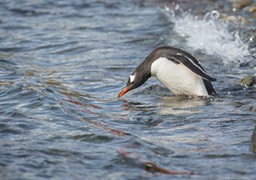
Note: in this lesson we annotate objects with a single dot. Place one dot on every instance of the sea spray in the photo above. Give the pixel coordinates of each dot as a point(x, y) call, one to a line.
point(210, 35)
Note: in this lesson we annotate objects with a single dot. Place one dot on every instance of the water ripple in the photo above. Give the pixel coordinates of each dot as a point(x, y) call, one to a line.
point(62, 65)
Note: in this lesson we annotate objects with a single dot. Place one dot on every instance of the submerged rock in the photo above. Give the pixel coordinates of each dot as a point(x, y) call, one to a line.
point(253, 141)
point(248, 81)
point(252, 108)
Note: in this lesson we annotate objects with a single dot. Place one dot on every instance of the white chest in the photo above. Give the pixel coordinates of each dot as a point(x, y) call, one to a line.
point(178, 78)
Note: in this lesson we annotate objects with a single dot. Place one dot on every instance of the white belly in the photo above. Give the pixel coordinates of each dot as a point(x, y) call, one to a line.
point(178, 78)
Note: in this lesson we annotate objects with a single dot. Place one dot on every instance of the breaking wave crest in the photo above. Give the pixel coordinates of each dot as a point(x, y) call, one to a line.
point(210, 35)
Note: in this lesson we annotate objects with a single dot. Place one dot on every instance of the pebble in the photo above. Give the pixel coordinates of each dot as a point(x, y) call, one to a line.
point(248, 81)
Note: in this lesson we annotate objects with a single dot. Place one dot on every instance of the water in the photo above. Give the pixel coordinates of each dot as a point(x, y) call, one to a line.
point(62, 66)
point(220, 39)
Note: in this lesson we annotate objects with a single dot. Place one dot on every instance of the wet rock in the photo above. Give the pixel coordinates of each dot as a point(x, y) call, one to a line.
point(232, 18)
point(248, 81)
point(253, 141)
point(241, 4)
point(252, 9)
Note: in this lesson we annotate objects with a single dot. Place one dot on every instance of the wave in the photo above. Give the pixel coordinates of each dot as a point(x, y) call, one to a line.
point(210, 35)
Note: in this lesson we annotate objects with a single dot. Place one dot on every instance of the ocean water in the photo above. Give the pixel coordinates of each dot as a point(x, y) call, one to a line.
point(63, 63)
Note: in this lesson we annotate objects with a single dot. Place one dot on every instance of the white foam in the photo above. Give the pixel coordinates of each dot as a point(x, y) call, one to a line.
point(210, 35)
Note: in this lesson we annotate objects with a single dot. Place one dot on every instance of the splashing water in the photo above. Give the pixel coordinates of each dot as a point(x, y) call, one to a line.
point(210, 35)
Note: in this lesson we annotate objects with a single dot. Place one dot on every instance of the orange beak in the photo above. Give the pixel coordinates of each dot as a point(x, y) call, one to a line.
point(125, 90)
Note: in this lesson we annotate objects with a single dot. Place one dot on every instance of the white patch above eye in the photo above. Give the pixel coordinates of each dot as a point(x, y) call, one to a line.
point(132, 77)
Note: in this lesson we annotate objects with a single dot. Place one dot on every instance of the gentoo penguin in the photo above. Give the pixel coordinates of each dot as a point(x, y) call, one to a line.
point(176, 69)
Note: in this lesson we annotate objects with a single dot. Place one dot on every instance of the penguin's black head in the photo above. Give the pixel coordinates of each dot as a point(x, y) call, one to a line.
point(136, 79)
point(140, 75)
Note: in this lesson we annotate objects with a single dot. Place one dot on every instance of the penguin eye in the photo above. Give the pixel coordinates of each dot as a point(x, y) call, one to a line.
point(132, 77)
